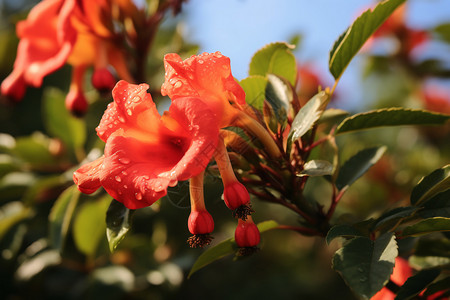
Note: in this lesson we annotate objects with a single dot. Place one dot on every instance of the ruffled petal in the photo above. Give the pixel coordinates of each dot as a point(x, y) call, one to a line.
point(87, 177)
point(132, 110)
point(46, 40)
point(206, 74)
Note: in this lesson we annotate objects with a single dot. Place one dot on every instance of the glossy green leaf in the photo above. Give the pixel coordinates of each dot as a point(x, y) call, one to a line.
point(431, 185)
point(225, 248)
point(11, 214)
point(317, 168)
point(308, 115)
point(345, 231)
point(392, 217)
point(438, 206)
point(427, 226)
point(390, 117)
point(416, 283)
point(254, 87)
point(426, 262)
point(117, 223)
point(60, 123)
point(349, 43)
point(279, 96)
point(34, 151)
point(366, 265)
point(357, 165)
point(89, 225)
point(61, 216)
point(275, 58)
point(439, 246)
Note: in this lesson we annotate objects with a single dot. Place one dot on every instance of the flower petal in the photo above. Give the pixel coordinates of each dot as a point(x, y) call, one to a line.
point(46, 40)
point(87, 177)
point(132, 109)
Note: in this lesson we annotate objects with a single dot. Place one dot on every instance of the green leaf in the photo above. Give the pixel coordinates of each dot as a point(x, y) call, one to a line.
point(61, 215)
point(443, 32)
point(366, 265)
point(431, 185)
point(34, 151)
point(255, 87)
point(89, 225)
point(275, 58)
point(317, 168)
point(390, 117)
point(441, 285)
point(332, 115)
point(225, 248)
point(438, 206)
point(349, 43)
point(308, 115)
point(11, 214)
point(60, 123)
point(346, 231)
point(427, 226)
point(279, 95)
point(357, 165)
point(433, 247)
point(392, 217)
point(415, 284)
point(117, 223)
point(426, 262)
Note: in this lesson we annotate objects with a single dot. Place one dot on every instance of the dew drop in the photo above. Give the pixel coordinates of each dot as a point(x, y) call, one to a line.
point(136, 99)
point(119, 192)
point(200, 61)
point(178, 84)
point(121, 119)
point(125, 186)
point(118, 179)
point(124, 160)
point(138, 196)
point(363, 279)
point(124, 173)
point(129, 112)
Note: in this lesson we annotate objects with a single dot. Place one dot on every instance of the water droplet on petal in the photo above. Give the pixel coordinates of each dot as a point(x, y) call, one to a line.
point(121, 119)
point(138, 196)
point(119, 192)
point(178, 84)
point(124, 160)
point(129, 112)
point(118, 179)
point(200, 61)
point(124, 173)
point(125, 186)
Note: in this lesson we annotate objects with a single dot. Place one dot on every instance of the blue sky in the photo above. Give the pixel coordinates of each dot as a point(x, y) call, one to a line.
point(238, 28)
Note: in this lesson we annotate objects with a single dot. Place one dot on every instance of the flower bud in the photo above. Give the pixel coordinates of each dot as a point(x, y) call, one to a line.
point(13, 87)
point(76, 102)
point(237, 198)
point(247, 236)
point(200, 222)
point(103, 80)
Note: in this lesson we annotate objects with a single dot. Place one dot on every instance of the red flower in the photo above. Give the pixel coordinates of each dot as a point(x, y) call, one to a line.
point(208, 77)
point(47, 38)
point(145, 152)
point(56, 32)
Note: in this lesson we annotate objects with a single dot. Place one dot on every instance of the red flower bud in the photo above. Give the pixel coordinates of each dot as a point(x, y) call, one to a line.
point(200, 222)
point(76, 102)
point(247, 234)
point(103, 80)
point(13, 87)
point(235, 195)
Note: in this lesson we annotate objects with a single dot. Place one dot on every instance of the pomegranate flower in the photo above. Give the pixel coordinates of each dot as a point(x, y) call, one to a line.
point(207, 76)
point(145, 152)
point(56, 32)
